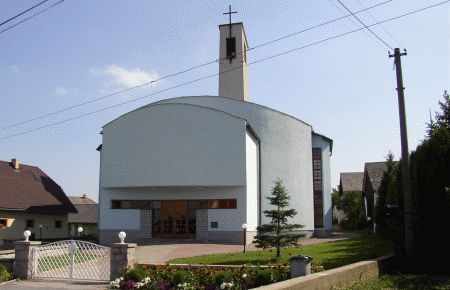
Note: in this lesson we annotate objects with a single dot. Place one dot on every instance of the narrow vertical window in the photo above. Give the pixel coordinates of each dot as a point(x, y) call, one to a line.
point(317, 187)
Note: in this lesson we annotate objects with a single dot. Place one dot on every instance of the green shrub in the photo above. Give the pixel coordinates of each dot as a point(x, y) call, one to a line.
point(4, 274)
point(263, 277)
point(223, 276)
point(180, 277)
point(136, 273)
point(352, 203)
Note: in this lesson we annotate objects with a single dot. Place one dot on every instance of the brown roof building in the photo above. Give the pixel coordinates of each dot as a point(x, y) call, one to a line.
point(30, 199)
point(87, 210)
point(28, 188)
point(86, 217)
point(373, 175)
point(351, 181)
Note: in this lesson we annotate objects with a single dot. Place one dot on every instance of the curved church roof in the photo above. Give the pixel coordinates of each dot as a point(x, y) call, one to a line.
point(173, 104)
point(230, 100)
point(197, 102)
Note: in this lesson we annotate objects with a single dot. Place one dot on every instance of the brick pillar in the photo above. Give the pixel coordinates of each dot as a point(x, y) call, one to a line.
point(122, 257)
point(24, 258)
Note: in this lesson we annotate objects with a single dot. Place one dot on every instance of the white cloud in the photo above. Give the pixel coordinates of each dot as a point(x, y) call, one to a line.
point(13, 68)
point(125, 77)
point(61, 91)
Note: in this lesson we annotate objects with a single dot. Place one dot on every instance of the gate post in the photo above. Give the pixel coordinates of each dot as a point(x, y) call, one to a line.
point(24, 258)
point(122, 257)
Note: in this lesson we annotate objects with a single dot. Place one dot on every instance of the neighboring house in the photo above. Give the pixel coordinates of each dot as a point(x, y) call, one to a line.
point(348, 181)
point(373, 174)
point(200, 167)
point(29, 199)
point(86, 217)
point(351, 181)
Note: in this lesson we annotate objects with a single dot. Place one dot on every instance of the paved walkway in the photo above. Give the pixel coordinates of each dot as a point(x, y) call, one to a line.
point(163, 252)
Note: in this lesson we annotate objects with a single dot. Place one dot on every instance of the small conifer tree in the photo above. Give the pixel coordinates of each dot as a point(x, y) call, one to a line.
point(278, 233)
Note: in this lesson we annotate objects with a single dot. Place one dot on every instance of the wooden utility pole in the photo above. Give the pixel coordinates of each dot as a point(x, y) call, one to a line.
point(406, 178)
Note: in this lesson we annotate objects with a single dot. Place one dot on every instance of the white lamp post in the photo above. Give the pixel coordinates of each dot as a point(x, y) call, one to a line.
point(27, 235)
point(80, 231)
point(122, 236)
point(244, 226)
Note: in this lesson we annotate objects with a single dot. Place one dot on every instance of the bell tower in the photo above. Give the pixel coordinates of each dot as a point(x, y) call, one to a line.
point(233, 71)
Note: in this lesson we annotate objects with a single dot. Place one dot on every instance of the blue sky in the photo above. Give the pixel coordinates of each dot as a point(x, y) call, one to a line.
point(345, 88)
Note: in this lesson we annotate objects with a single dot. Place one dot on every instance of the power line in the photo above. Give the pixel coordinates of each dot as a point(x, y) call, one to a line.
point(184, 71)
point(216, 74)
point(370, 30)
point(317, 26)
point(106, 96)
point(382, 26)
point(14, 17)
point(35, 14)
point(342, 10)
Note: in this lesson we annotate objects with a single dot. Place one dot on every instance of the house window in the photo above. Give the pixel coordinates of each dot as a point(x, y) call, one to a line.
point(29, 224)
point(3, 223)
point(214, 225)
point(317, 187)
point(58, 224)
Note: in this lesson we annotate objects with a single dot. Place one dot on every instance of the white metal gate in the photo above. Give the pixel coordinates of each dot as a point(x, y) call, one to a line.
point(72, 260)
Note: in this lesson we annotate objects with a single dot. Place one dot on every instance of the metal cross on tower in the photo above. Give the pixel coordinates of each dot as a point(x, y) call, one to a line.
point(229, 13)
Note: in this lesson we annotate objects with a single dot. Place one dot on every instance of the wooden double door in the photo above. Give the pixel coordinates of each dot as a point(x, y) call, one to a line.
point(174, 219)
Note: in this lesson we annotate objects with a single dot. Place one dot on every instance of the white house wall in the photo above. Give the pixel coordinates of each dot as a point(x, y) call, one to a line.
point(285, 150)
point(174, 145)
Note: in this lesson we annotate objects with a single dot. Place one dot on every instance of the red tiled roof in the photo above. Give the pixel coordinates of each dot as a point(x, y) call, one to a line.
point(30, 189)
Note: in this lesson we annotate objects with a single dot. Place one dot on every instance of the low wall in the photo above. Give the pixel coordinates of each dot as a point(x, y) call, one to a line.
point(341, 276)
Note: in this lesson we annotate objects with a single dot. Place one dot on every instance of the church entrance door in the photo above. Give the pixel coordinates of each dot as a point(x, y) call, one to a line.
point(173, 220)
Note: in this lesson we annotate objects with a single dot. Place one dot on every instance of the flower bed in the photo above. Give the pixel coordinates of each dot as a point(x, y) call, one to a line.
point(166, 277)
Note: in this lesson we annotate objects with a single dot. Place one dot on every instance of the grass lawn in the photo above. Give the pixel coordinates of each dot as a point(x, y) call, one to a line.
point(329, 255)
point(400, 281)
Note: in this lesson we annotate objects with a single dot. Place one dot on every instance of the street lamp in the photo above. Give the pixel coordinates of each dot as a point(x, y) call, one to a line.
point(80, 231)
point(40, 232)
point(244, 226)
point(122, 236)
point(27, 235)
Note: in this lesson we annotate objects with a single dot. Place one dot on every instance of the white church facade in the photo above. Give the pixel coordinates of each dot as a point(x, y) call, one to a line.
point(199, 167)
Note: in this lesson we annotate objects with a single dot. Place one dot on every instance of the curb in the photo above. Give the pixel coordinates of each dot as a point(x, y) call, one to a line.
point(9, 281)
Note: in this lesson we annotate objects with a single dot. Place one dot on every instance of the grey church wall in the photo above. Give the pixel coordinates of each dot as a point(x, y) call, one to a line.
point(174, 145)
point(285, 149)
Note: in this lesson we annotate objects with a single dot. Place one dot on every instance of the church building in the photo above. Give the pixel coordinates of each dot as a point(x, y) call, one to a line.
point(200, 167)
